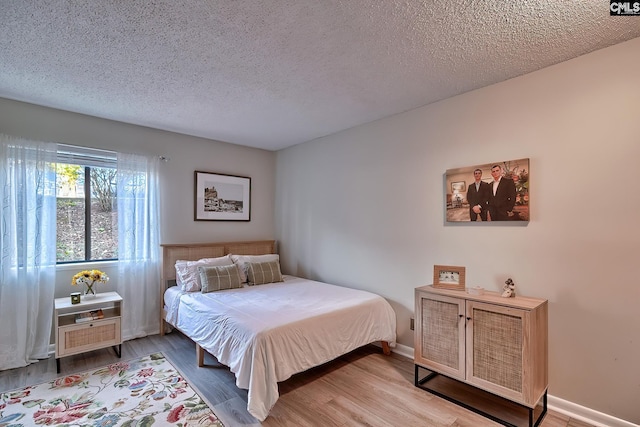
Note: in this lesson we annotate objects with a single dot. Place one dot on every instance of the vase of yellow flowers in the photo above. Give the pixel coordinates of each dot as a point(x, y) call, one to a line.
point(89, 278)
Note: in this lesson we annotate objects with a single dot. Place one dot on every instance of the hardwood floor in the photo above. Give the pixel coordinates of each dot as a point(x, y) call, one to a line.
point(362, 388)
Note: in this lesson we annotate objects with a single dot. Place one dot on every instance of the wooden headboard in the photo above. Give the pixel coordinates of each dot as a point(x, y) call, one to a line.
point(195, 251)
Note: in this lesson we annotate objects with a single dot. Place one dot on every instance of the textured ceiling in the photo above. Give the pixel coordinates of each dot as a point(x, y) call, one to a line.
point(274, 73)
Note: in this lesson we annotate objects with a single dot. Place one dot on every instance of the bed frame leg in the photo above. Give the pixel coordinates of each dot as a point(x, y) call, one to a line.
point(385, 348)
point(200, 356)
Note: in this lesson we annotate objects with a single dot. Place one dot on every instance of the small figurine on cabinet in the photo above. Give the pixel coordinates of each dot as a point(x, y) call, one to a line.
point(509, 289)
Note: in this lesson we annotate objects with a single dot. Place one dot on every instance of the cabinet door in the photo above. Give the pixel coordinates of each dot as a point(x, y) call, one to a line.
point(496, 347)
point(439, 339)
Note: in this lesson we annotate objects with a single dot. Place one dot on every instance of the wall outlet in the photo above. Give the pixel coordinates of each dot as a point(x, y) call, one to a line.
point(412, 324)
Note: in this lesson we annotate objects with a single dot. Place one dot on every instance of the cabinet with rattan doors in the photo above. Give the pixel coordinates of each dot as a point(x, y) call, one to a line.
point(492, 343)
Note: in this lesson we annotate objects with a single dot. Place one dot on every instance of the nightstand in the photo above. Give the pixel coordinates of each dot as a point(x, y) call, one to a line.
point(73, 335)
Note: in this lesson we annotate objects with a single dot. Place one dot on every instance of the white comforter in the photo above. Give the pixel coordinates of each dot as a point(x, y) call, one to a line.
point(267, 333)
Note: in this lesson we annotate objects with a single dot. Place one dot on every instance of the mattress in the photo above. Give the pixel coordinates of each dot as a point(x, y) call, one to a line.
point(267, 333)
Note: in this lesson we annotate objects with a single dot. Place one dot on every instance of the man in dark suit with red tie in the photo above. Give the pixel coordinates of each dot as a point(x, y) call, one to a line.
point(502, 198)
point(478, 197)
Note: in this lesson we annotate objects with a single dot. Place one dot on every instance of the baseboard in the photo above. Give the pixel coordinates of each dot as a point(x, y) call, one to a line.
point(570, 409)
point(403, 350)
point(586, 415)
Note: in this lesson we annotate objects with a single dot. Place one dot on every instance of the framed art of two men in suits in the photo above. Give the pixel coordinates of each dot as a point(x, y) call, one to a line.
point(494, 192)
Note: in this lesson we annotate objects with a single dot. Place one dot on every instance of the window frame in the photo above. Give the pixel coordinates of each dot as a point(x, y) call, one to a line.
point(87, 158)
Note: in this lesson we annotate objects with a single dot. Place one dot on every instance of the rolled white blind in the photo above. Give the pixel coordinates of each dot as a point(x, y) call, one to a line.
point(84, 156)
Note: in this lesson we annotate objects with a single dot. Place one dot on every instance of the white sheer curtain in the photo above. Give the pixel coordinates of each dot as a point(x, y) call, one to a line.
point(138, 244)
point(27, 249)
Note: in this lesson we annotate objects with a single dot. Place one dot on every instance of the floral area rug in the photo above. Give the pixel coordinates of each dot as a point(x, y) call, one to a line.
point(139, 393)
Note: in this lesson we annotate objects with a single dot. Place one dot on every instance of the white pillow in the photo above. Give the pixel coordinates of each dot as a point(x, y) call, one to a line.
point(244, 260)
point(188, 276)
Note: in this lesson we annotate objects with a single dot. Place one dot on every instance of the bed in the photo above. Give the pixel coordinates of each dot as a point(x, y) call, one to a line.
point(267, 332)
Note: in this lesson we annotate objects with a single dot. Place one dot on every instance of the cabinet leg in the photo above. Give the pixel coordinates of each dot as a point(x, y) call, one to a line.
point(118, 350)
point(440, 392)
point(57, 365)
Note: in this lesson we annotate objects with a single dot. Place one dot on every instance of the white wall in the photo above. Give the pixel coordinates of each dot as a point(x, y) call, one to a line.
point(364, 208)
point(187, 154)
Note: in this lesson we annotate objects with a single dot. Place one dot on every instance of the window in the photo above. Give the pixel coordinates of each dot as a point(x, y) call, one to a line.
point(87, 216)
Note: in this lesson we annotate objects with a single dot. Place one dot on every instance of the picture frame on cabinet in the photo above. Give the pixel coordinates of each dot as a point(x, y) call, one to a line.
point(449, 277)
point(221, 197)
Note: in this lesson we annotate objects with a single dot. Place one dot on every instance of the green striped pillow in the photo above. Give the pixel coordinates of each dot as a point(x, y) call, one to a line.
point(260, 273)
point(218, 278)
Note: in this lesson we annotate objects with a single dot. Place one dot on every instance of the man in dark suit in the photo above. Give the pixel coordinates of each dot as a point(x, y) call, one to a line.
point(502, 198)
point(478, 197)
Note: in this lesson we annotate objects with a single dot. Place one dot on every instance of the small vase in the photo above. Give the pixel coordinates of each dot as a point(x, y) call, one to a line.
point(89, 292)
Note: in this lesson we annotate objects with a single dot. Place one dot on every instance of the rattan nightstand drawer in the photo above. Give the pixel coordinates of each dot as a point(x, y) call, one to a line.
point(88, 336)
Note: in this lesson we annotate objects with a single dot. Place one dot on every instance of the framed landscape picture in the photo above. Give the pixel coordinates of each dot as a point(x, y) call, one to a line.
point(220, 197)
point(489, 192)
